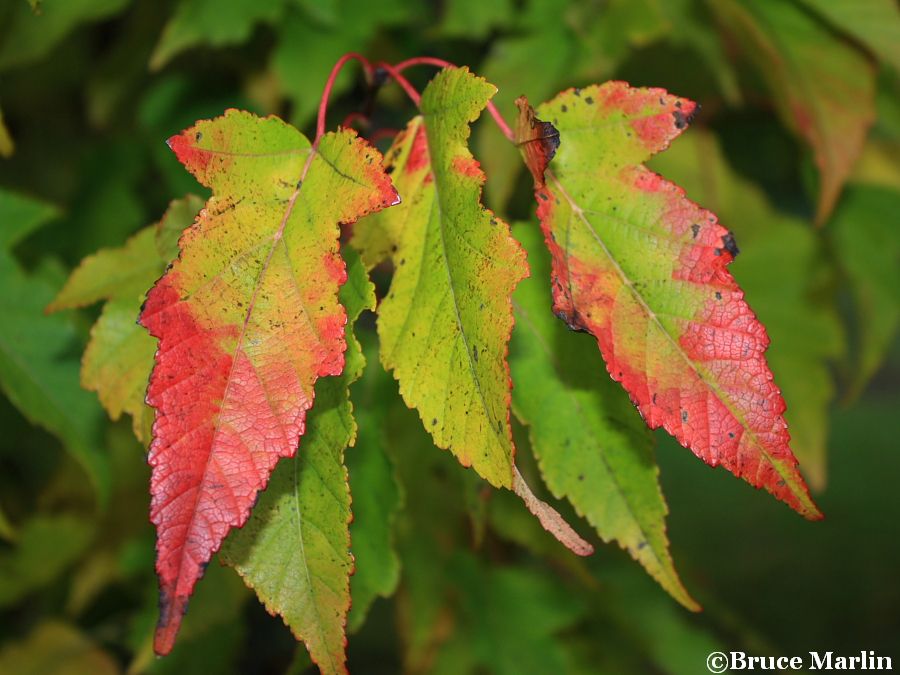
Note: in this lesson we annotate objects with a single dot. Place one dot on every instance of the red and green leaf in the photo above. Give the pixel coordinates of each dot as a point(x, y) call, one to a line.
point(644, 270)
point(295, 549)
point(591, 446)
point(248, 319)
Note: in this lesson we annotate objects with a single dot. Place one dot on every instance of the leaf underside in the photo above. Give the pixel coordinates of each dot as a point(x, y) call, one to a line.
point(644, 270)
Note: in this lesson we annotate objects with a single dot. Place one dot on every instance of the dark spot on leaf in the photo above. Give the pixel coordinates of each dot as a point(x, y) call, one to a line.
point(677, 104)
point(543, 196)
point(695, 228)
point(434, 421)
point(577, 91)
point(718, 295)
point(389, 169)
point(730, 434)
point(402, 261)
point(574, 323)
point(565, 108)
point(730, 245)
point(589, 100)
point(680, 120)
point(717, 251)
point(475, 352)
point(199, 136)
point(684, 415)
point(581, 476)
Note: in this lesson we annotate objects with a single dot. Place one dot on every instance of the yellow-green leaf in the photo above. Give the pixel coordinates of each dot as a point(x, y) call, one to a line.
point(456, 264)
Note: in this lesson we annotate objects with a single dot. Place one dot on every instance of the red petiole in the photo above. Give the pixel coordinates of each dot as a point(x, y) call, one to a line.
point(395, 72)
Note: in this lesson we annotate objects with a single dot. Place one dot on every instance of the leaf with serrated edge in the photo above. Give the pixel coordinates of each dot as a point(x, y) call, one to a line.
point(593, 449)
point(644, 270)
point(295, 549)
point(445, 324)
point(248, 319)
point(119, 355)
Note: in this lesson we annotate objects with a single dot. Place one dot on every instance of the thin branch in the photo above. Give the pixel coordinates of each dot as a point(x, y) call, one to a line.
point(441, 63)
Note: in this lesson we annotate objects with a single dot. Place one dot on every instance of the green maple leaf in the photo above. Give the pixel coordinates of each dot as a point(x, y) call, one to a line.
point(119, 355)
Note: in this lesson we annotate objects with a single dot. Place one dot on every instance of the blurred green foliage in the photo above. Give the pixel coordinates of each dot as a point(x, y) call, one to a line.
point(801, 113)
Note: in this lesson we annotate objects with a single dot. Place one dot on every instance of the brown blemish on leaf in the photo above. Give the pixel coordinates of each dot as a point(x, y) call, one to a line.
point(538, 140)
point(550, 519)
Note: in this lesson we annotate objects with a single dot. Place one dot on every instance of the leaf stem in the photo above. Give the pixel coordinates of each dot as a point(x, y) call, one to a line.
point(329, 85)
point(441, 63)
point(394, 72)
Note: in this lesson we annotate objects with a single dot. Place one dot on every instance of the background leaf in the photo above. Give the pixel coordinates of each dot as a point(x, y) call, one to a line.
point(38, 365)
point(591, 446)
point(824, 89)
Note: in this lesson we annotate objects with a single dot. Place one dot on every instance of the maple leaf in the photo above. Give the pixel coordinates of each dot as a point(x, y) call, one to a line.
point(824, 89)
point(119, 355)
point(644, 270)
point(455, 264)
point(248, 319)
point(793, 305)
point(593, 450)
point(295, 549)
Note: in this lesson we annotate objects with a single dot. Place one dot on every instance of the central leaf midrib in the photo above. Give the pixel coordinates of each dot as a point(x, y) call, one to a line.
point(276, 237)
point(469, 360)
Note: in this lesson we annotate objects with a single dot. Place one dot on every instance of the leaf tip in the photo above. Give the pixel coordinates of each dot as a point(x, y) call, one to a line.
point(171, 611)
point(550, 519)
